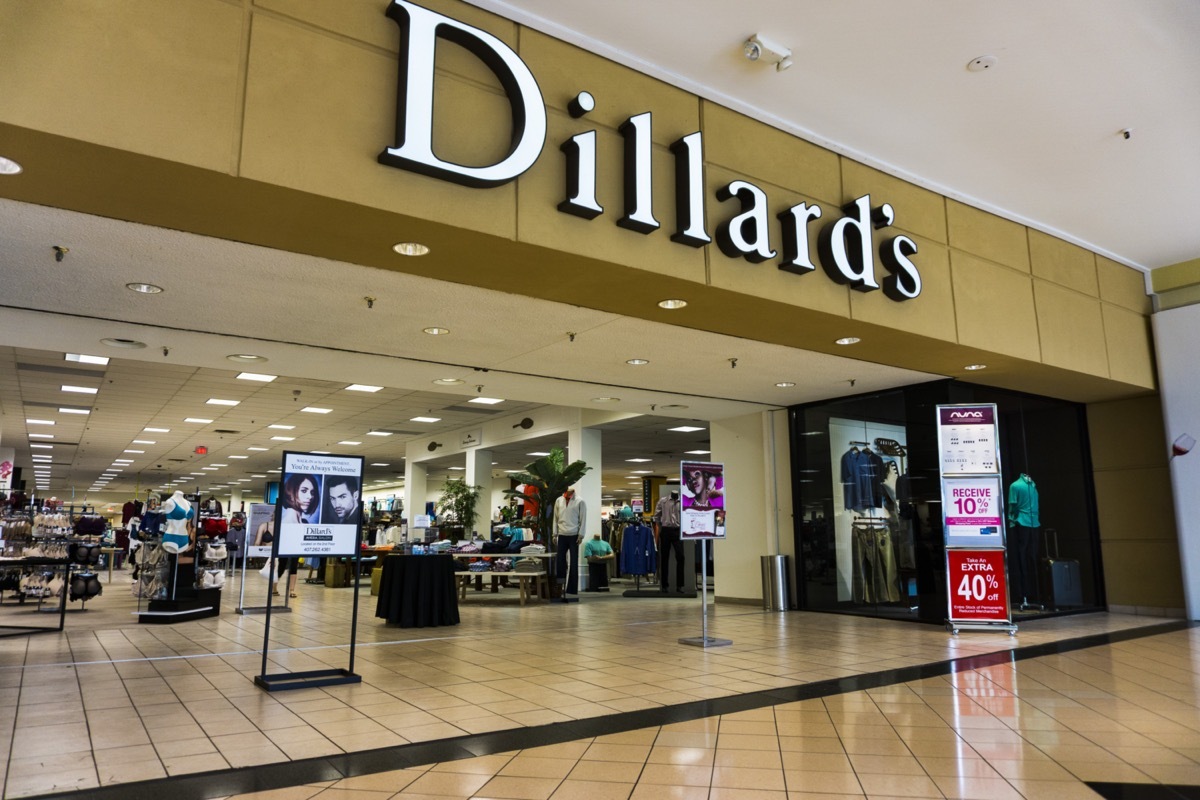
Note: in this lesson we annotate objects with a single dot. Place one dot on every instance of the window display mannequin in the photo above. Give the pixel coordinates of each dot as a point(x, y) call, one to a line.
point(179, 513)
point(569, 522)
point(666, 528)
point(598, 554)
point(1023, 526)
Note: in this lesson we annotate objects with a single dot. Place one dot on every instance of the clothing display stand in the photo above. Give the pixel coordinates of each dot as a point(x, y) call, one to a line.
point(183, 601)
point(639, 557)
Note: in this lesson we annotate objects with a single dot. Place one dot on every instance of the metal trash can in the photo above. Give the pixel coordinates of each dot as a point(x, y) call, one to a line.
point(775, 583)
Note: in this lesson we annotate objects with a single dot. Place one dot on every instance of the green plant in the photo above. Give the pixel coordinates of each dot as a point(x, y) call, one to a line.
point(545, 480)
point(458, 502)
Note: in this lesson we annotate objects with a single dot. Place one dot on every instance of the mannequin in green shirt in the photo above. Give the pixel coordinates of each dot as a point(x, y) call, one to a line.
point(597, 553)
point(1023, 524)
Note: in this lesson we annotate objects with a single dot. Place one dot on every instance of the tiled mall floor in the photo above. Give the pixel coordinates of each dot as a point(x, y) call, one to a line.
point(110, 702)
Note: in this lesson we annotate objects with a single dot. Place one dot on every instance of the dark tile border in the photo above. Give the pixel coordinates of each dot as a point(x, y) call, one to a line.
point(242, 780)
point(1144, 791)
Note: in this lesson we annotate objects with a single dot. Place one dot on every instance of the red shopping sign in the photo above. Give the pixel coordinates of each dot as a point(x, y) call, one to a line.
point(977, 587)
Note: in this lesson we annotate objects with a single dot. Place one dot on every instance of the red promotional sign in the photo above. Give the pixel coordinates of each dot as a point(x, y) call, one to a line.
point(977, 587)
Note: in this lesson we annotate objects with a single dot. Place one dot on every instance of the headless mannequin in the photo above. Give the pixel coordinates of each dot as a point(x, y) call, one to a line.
point(177, 537)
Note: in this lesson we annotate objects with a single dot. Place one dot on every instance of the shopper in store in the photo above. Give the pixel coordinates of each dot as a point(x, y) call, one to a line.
point(570, 516)
point(666, 528)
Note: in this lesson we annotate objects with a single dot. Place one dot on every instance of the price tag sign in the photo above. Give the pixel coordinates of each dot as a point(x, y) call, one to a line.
point(978, 591)
point(973, 512)
point(967, 439)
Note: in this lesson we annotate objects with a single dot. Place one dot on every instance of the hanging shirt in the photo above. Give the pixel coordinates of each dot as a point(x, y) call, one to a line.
point(1023, 503)
point(638, 556)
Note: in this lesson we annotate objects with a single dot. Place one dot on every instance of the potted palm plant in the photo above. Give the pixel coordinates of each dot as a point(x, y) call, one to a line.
point(545, 480)
point(457, 503)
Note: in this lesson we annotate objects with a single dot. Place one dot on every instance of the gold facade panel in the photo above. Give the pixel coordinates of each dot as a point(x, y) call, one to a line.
point(931, 314)
point(918, 210)
point(813, 290)
point(544, 187)
point(1122, 285)
point(1130, 346)
point(298, 77)
point(1063, 263)
point(365, 21)
point(756, 152)
point(563, 70)
point(993, 307)
point(1127, 433)
point(987, 236)
point(1071, 329)
point(1129, 565)
point(159, 79)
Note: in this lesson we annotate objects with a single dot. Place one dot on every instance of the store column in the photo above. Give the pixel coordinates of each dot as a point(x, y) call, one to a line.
point(583, 444)
point(235, 501)
point(479, 473)
point(415, 478)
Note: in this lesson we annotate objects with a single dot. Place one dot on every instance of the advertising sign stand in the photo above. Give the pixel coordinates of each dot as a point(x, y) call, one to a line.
point(702, 517)
point(973, 520)
point(259, 513)
point(318, 515)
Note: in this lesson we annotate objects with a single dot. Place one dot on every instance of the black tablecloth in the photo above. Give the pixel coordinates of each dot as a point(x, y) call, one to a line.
point(418, 591)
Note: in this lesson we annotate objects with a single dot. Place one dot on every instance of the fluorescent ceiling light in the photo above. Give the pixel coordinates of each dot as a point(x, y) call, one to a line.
point(144, 441)
point(349, 442)
point(486, 401)
point(216, 401)
point(209, 469)
point(283, 438)
point(642, 472)
point(79, 389)
point(42, 446)
point(258, 476)
point(239, 457)
point(319, 452)
point(282, 427)
point(198, 474)
point(198, 420)
point(457, 469)
point(122, 460)
point(112, 469)
point(259, 449)
point(256, 376)
point(218, 465)
point(40, 435)
point(39, 422)
point(425, 419)
point(74, 411)
point(82, 359)
point(362, 387)
point(381, 465)
point(157, 430)
point(697, 452)
point(534, 454)
point(638, 460)
point(379, 433)
point(274, 470)
point(138, 452)
point(316, 410)
point(686, 429)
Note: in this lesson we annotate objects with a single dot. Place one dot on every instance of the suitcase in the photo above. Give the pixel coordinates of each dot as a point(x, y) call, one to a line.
point(1061, 579)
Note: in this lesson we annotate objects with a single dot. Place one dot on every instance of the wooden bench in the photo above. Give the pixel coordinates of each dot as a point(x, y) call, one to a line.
point(464, 580)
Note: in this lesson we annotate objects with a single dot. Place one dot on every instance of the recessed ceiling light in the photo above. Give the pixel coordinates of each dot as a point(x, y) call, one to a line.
point(316, 410)
point(486, 401)
point(144, 288)
point(283, 427)
point(74, 411)
point(258, 476)
point(79, 389)
point(534, 454)
point(974, 367)
point(39, 422)
point(686, 429)
point(784, 385)
point(637, 362)
point(362, 387)
point(40, 435)
point(606, 399)
point(697, 452)
point(848, 340)
point(127, 344)
point(113, 470)
point(256, 376)
point(9, 167)
point(216, 401)
point(138, 452)
point(122, 461)
point(347, 442)
point(274, 470)
point(448, 381)
point(380, 465)
point(218, 465)
point(638, 460)
point(642, 471)
point(197, 420)
point(209, 469)
point(457, 469)
point(246, 358)
point(200, 474)
point(157, 430)
point(672, 304)
point(143, 441)
point(237, 457)
point(37, 446)
point(283, 438)
point(425, 419)
point(410, 248)
point(259, 449)
point(82, 359)
point(379, 433)
point(435, 331)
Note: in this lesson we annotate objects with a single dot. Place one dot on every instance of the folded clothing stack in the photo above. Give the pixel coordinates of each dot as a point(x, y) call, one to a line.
point(533, 549)
point(528, 565)
point(479, 566)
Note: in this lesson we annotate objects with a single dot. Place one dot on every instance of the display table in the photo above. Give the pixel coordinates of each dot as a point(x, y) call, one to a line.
point(418, 591)
point(464, 580)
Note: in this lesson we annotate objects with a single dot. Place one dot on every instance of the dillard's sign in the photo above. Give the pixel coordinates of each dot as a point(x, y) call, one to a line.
point(844, 245)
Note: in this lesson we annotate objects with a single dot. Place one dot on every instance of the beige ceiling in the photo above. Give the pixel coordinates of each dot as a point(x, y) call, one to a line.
point(309, 318)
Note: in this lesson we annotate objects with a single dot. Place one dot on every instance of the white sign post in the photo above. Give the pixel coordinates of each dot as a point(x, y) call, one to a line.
point(702, 517)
